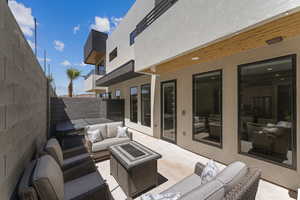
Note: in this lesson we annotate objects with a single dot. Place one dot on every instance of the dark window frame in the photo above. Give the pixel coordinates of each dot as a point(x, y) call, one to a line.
point(137, 106)
point(221, 108)
point(294, 111)
point(142, 121)
point(113, 54)
point(132, 36)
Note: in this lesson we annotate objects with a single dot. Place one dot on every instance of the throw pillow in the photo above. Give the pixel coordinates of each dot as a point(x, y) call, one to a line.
point(95, 136)
point(112, 129)
point(122, 132)
point(166, 196)
point(209, 172)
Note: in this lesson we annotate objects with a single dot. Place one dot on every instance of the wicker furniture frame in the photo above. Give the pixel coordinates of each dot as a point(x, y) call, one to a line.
point(245, 190)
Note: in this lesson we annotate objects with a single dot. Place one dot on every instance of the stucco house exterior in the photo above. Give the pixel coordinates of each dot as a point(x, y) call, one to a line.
point(219, 78)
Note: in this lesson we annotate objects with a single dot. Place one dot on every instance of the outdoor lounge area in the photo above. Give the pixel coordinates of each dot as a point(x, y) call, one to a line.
point(175, 165)
point(177, 171)
point(198, 101)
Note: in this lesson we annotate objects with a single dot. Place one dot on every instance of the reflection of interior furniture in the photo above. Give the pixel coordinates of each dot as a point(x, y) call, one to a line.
point(199, 124)
point(215, 126)
point(134, 167)
point(215, 130)
point(270, 139)
point(253, 129)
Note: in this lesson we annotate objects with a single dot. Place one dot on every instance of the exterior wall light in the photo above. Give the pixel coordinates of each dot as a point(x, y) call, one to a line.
point(274, 40)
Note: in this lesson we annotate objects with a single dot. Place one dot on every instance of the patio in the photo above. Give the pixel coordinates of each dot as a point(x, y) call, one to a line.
point(177, 163)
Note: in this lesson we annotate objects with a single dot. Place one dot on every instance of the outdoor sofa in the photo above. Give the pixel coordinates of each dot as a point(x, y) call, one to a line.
point(235, 182)
point(43, 180)
point(99, 150)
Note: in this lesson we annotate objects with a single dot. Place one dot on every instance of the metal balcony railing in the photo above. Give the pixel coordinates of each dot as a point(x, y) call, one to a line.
point(154, 14)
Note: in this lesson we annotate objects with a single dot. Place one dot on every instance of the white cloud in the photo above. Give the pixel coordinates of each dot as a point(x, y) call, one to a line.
point(116, 20)
point(82, 64)
point(76, 29)
point(23, 16)
point(101, 24)
point(58, 45)
point(66, 63)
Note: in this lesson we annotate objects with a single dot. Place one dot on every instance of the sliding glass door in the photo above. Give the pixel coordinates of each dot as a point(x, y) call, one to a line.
point(168, 111)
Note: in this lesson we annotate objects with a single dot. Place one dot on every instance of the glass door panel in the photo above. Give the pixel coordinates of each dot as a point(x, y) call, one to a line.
point(168, 109)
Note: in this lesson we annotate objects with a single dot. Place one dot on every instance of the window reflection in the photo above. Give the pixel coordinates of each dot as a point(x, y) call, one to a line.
point(146, 104)
point(133, 105)
point(207, 109)
point(266, 110)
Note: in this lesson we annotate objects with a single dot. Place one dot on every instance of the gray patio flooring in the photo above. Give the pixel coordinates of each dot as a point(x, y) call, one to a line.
point(175, 165)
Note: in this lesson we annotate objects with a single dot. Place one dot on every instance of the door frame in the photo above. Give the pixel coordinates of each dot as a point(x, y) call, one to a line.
point(161, 110)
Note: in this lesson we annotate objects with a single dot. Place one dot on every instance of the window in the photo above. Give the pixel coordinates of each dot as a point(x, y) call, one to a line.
point(133, 105)
point(132, 37)
point(106, 95)
point(118, 94)
point(207, 107)
point(113, 54)
point(146, 104)
point(267, 110)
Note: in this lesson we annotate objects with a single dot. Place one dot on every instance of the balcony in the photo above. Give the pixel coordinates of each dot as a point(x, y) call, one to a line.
point(90, 81)
point(175, 30)
point(95, 48)
point(160, 8)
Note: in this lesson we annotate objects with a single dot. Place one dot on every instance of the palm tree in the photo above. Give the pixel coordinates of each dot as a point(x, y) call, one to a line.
point(72, 74)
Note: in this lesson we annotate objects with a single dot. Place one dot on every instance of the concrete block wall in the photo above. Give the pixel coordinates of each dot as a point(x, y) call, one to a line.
point(23, 103)
point(76, 108)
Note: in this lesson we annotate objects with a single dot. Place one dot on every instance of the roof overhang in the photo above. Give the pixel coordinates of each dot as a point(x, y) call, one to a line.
point(123, 73)
point(284, 27)
point(95, 48)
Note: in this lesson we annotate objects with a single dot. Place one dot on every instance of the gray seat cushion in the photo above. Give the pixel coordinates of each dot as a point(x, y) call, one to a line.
point(213, 190)
point(72, 161)
point(104, 144)
point(48, 179)
point(186, 185)
point(112, 129)
point(83, 186)
point(232, 175)
point(53, 148)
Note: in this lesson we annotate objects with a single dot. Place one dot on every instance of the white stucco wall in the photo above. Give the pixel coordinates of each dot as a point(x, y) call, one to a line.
point(194, 23)
point(120, 36)
point(289, 178)
point(124, 87)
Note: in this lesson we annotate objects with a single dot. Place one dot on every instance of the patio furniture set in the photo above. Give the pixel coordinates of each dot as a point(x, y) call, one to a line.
point(72, 174)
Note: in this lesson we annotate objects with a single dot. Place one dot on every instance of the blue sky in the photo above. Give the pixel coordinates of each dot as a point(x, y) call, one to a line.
point(63, 27)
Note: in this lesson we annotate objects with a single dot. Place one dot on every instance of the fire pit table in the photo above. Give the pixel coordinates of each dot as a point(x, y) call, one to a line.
point(134, 167)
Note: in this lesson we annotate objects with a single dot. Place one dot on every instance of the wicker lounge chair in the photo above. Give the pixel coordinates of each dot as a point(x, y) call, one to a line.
point(73, 162)
point(43, 180)
point(235, 182)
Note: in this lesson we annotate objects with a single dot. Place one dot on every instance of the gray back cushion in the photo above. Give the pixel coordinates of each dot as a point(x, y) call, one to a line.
point(232, 175)
point(48, 179)
point(53, 148)
point(213, 190)
point(112, 129)
point(26, 190)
